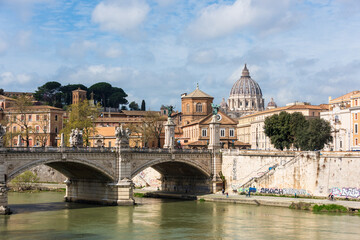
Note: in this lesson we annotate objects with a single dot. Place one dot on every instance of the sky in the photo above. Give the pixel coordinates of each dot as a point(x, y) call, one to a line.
point(296, 50)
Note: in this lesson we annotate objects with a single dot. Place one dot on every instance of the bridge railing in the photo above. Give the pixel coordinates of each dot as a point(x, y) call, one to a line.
point(101, 149)
point(56, 149)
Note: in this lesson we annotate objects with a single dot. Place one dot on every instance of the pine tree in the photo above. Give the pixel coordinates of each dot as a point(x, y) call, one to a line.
point(143, 106)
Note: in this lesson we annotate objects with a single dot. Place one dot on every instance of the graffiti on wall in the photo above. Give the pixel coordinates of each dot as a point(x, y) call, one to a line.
point(280, 191)
point(345, 192)
point(234, 169)
point(284, 191)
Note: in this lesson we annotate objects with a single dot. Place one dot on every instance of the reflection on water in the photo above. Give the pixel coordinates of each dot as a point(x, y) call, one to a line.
point(45, 216)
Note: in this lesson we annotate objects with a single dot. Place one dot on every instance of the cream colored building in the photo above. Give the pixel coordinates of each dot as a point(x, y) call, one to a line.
point(250, 128)
point(355, 121)
point(344, 121)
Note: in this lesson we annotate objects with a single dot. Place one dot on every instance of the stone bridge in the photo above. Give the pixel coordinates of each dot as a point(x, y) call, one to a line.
point(103, 175)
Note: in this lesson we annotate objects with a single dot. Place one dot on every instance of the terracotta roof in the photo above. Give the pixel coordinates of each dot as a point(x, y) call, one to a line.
point(345, 97)
point(7, 98)
point(279, 109)
point(197, 143)
point(138, 113)
point(38, 107)
point(238, 143)
point(197, 93)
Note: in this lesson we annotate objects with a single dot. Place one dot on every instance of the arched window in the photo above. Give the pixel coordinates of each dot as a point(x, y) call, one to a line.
point(198, 107)
point(187, 107)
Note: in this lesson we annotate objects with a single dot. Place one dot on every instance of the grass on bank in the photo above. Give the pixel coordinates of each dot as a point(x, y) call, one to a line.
point(329, 208)
point(140, 195)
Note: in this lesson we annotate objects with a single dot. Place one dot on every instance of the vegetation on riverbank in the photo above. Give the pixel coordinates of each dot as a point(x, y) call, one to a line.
point(140, 195)
point(329, 208)
point(333, 208)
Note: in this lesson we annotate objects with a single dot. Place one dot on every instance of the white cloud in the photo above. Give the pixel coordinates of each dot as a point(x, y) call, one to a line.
point(10, 79)
point(221, 19)
point(120, 16)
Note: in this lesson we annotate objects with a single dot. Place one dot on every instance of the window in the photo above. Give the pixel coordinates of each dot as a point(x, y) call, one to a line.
point(222, 132)
point(356, 128)
point(30, 118)
point(22, 117)
point(204, 132)
point(198, 107)
point(56, 117)
point(356, 102)
point(37, 129)
point(45, 117)
point(355, 116)
point(340, 144)
point(356, 141)
point(37, 118)
point(187, 107)
point(231, 132)
point(14, 129)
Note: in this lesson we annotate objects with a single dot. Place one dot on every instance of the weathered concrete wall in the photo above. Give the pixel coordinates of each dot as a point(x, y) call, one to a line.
point(303, 173)
point(239, 167)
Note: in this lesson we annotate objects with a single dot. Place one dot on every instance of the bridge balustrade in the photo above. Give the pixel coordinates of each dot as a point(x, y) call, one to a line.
point(99, 149)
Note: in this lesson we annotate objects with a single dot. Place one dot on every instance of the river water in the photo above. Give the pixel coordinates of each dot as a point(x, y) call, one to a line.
point(46, 216)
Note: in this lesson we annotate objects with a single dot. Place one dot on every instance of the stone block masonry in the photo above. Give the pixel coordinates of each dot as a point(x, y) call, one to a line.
point(290, 173)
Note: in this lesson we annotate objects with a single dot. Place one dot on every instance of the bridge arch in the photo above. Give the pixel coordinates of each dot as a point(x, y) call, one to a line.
point(71, 168)
point(180, 175)
point(193, 164)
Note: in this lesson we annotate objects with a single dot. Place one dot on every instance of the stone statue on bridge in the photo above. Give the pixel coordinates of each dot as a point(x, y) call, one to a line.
point(122, 136)
point(2, 134)
point(76, 138)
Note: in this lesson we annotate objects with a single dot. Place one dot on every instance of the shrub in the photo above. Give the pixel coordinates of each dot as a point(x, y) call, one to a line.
point(25, 181)
point(329, 208)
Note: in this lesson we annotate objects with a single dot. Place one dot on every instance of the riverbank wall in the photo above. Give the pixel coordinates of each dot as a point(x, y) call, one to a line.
point(293, 173)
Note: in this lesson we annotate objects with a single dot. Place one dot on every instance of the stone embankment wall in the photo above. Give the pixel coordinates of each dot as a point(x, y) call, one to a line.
point(48, 174)
point(287, 173)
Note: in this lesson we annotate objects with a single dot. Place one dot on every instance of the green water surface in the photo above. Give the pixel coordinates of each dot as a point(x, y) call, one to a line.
point(46, 216)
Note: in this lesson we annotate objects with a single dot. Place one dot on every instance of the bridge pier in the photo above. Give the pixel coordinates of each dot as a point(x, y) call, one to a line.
point(4, 209)
point(100, 192)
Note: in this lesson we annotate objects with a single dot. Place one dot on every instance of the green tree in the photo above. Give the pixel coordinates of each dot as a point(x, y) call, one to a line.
point(286, 130)
point(134, 106)
point(25, 181)
point(117, 97)
point(49, 93)
point(102, 92)
point(315, 134)
point(277, 128)
point(81, 116)
point(143, 106)
point(1, 91)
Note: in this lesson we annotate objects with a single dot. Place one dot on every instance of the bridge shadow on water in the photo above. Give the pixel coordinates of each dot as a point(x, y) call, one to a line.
point(49, 206)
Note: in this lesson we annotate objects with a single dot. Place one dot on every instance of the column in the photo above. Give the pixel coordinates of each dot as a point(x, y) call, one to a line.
point(214, 145)
point(169, 134)
point(214, 126)
point(4, 209)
